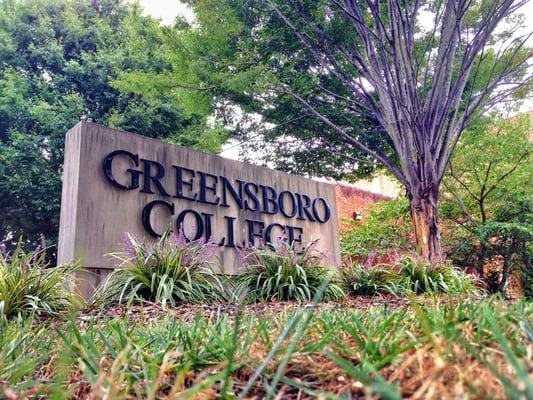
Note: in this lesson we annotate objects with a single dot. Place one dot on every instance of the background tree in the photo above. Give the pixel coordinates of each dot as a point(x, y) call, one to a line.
point(487, 197)
point(62, 61)
point(235, 51)
point(395, 82)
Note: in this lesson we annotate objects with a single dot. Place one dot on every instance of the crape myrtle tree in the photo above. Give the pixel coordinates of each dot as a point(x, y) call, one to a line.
point(391, 81)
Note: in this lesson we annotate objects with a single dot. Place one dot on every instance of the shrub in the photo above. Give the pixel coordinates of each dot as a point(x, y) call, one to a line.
point(281, 273)
point(422, 277)
point(370, 280)
point(510, 243)
point(387, 228)
point(29, 285)
point(171, 270)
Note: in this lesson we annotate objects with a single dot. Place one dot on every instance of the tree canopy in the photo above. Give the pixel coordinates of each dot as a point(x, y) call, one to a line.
point(62, 61)
point(487, 197)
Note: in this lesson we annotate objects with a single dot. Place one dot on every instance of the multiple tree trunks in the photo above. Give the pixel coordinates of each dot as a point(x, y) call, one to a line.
point(423, 100)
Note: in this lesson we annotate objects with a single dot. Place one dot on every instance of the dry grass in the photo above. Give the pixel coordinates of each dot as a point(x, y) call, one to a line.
point(429, 349)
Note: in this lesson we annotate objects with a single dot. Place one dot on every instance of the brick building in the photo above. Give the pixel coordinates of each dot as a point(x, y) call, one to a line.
point(353, 203)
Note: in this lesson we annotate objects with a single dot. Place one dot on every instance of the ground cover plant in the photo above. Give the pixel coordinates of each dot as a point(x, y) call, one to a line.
point(168, 271)
point(176, 270)
point(28, 284)
point(405, 275)
point(422, 277)
point(362, 279)
point(430, 349)
point(282, 272)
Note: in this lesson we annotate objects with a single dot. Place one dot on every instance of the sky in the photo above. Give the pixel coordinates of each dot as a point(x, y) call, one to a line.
point(167, 10)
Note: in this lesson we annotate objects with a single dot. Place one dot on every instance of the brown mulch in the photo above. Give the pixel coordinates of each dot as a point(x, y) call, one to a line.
point(188, 312)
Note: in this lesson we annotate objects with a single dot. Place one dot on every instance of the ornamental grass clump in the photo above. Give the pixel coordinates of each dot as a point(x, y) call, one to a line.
point(28, 284)
point(371, 280)
point(407, 274)
point(422, 277)
point(167, 272)
point(280, 272)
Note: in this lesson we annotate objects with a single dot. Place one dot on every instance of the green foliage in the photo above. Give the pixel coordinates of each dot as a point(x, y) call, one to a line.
point(247, 55)
point(387, 228)
point(512, 241)
point(283, 273)
point(486, 204)
point(169, 271)
point(508, 238)
point(489, 168)
point(421, 277)
point(408, 275)
point(372, 280)
point(244, 53)
point(64, 61)
point(29, 285)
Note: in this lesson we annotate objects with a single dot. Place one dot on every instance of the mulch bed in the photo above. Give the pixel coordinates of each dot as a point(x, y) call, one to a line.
point(187, 312)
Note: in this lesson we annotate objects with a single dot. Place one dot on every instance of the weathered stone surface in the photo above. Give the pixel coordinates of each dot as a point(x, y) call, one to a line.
point(95, 214)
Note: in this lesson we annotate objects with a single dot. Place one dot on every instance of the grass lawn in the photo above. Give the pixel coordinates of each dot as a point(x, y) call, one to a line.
point(423, 348)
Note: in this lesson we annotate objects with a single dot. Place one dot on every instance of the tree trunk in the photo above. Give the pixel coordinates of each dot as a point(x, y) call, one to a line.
point(481, 249)
point(504, 282)
point(481, 259)
point(425, 220)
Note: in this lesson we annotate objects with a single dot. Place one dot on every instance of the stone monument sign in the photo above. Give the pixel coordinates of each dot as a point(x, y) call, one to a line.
point(116, 182)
